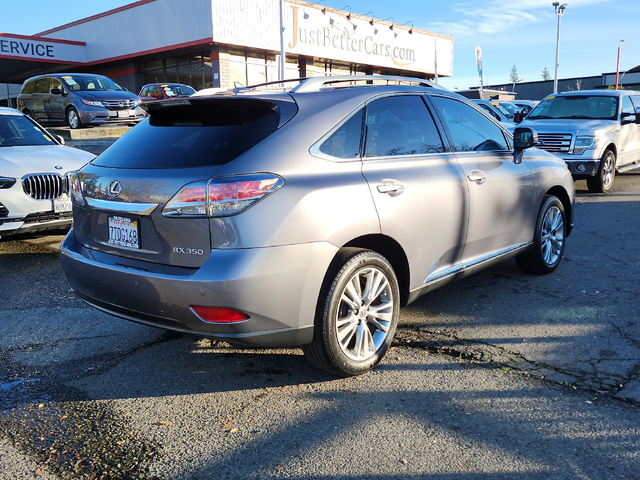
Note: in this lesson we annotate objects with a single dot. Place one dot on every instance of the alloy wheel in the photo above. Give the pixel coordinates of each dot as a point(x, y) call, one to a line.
point(552, 236)
point(365, 313)
point(72, 116)
point(607, 172)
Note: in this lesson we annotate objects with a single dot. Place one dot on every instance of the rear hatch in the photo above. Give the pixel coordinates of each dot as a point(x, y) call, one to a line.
point(121, 209)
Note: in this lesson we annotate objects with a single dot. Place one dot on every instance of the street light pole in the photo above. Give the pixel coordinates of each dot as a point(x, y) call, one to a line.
point(618, 64)
point(282, 54)
point(559, 12)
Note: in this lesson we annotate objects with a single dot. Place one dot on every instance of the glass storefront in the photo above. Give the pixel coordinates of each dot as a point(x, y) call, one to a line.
point(249, 68)
point(193, 69)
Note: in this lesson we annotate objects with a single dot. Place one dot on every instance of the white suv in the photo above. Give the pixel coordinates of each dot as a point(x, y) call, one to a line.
point(32, 168)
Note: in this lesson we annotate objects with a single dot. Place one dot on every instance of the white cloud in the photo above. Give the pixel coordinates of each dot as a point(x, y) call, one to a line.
point(498, 16)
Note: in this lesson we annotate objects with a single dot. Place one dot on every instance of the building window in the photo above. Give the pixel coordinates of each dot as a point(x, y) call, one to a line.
point(194, 69)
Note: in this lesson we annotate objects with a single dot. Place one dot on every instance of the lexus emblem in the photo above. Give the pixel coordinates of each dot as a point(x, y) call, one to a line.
point(115, 188)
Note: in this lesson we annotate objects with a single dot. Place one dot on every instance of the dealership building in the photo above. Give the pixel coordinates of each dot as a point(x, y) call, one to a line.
point(215, 43)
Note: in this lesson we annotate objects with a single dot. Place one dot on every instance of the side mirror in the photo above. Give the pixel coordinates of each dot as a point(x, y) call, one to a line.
point(523, 138)
point(627, 118)
point(155, 95)
point(55, 91)
point(638, 116)
point(518, 116)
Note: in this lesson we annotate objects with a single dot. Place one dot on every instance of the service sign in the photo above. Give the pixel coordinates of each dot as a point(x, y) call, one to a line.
point(317, 32)
point(41, 49)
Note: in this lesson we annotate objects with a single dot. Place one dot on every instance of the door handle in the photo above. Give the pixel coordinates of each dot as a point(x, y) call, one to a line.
point(392, 187)
point(477, 176)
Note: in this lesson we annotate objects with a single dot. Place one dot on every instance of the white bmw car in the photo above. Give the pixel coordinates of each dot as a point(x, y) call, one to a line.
point(33, 164)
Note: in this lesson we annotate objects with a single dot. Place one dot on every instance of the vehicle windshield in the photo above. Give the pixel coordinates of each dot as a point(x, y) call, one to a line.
point(177, 90)
point(502, 110)
point(591, 107)
point(90, 83)
point(509, 107)
point(18, 131)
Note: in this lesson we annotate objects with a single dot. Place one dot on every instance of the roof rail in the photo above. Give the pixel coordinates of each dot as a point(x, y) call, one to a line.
point(314, 84)
point(240, 88)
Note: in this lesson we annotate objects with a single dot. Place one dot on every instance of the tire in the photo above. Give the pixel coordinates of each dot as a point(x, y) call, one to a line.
point(548, 240)
point(73, 119)
point(348, 339)
point(602, 181)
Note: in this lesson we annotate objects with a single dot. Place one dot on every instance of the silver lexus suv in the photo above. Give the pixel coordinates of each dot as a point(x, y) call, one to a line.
point(596, 132)
point(307, 217)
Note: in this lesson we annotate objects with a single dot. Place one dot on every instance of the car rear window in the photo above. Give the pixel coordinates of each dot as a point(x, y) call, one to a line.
point(196, 134)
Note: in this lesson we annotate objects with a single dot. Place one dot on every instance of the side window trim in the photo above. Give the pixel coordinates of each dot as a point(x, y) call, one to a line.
point(507, 138)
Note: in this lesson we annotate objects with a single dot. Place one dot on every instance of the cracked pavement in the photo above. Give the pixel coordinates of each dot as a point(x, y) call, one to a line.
point(502, 375)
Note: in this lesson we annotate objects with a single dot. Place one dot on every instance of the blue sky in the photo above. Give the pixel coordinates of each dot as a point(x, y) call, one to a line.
point(510, 32)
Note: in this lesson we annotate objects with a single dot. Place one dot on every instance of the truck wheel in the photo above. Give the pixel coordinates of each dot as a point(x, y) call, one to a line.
point(602, 181)
point(357, 314)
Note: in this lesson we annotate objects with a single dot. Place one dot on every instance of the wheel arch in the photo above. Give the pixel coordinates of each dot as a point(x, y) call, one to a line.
point(393, 252)
point(564, 198)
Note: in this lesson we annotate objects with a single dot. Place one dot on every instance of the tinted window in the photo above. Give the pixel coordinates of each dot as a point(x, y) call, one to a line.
point(211, 132)
point(400, 126)
point(42, 85)
point(345, 142)
point(470, 130)
point(16, 130)
point(627, 106)
point(29, 87)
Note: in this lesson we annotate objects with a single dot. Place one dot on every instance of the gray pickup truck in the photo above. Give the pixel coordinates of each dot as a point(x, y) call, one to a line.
point(596, 132)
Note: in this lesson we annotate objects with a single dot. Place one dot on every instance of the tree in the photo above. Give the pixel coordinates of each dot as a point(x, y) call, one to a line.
point(545, 74)
point(513, 76)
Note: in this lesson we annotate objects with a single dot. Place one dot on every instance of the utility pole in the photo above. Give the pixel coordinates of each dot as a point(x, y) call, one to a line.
point(618, 64)
point(559, 12)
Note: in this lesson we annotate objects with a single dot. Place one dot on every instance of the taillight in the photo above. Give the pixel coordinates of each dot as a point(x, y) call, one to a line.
point(220, 197)
point(75, 188)
point(219, 314)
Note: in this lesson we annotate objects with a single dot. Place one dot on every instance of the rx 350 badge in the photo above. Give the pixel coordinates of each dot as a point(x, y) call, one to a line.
point(187, 251)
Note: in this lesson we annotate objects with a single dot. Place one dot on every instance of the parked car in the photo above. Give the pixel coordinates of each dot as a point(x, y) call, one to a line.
point(596, 132)
point(32, 167)
point(78, 100)
point(164, 91)
point(525, 106)
point(496, 110)
point(309, 217)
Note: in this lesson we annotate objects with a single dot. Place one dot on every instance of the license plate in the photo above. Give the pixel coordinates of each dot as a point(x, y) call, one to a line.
point(123, 231)
point(123, 113)
point(62, 204)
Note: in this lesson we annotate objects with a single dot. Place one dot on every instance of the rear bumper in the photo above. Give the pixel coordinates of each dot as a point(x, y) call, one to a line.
point(277, 287)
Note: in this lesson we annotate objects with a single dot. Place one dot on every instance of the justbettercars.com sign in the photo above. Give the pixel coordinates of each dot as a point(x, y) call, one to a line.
point(314, 31)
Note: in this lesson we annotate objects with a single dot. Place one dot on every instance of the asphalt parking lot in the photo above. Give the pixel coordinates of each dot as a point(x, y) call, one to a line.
point(502, 375)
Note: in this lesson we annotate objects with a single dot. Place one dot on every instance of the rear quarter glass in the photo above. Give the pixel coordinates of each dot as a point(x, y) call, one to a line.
point(200, 134)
